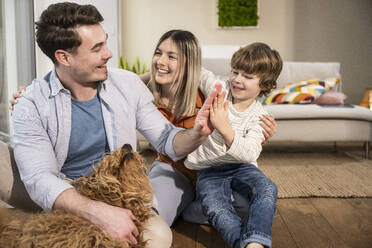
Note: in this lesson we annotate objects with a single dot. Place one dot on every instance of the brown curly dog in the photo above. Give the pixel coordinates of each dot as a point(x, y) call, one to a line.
point(119, 180)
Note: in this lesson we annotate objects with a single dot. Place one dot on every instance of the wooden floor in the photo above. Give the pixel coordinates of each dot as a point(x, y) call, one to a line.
point(299, 222)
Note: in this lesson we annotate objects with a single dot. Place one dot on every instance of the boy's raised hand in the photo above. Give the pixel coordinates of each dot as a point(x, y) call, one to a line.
point(219, 117)
point(219, 113)
point(203, 123)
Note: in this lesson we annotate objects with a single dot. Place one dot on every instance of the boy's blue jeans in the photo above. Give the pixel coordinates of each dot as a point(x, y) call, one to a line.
point(214, 187)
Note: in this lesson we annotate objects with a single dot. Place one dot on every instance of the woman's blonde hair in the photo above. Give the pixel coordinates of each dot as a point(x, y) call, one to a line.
point(185, 86)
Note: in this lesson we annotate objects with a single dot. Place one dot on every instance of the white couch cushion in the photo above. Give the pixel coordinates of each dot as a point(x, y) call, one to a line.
point(314, 111)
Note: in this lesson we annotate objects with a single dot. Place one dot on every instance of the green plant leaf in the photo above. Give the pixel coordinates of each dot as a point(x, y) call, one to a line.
point(138, 64)
point(144, 69)
point(136, 67)
point(121, 63)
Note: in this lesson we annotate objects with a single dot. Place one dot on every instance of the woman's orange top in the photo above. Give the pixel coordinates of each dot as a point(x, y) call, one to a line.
point(187, 122)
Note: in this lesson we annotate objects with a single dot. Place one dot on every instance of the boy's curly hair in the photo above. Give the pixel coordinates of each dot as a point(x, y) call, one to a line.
point(259, 59)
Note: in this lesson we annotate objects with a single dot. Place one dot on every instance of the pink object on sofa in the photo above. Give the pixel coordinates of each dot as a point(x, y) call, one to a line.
point(331, 98)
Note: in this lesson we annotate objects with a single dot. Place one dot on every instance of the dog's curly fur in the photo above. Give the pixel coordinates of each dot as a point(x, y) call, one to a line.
point(119, 180)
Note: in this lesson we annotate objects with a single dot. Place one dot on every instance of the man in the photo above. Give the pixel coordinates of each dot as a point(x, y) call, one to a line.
point(81, 109)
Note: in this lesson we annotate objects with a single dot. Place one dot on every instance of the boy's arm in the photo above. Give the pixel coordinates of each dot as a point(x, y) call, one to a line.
point(220, 119)
point(246, 146)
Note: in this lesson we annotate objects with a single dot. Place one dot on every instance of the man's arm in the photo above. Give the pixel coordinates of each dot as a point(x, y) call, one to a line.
point(118, 222)
point(188, 140)
point(34, 154)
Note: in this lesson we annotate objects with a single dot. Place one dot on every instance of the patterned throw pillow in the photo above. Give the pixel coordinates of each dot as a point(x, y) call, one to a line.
point(301, 93)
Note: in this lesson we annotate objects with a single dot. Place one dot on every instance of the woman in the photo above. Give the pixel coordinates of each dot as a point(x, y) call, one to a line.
point(175, 74)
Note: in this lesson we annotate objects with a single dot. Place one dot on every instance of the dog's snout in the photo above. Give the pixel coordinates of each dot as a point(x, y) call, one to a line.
point(127, 147)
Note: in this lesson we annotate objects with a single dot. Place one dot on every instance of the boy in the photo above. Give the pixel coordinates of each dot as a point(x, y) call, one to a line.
point(227, 159)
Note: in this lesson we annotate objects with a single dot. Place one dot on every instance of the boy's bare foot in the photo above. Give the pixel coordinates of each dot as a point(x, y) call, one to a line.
point(254, 245)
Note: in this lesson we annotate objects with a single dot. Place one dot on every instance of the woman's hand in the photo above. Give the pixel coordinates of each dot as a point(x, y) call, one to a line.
point(203, 123)
point(145, 77)
point(16, 95)
point(269, 126)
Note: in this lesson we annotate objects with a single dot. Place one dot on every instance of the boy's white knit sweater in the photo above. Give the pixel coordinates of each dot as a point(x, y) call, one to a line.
point(246, 146)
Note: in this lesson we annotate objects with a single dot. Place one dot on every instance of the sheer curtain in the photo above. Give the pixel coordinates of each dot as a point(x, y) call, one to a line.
point(4, 127)
point(17, 55)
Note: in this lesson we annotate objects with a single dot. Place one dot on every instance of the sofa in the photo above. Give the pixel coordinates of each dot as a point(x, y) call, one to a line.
point(310, 122)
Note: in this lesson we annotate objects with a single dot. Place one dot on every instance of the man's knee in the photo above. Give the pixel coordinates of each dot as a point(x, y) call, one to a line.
point(158, 233)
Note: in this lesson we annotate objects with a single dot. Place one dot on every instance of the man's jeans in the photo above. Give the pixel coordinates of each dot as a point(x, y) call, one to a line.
point(214, 187)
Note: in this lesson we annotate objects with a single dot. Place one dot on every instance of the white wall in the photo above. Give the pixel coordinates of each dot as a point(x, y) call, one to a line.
point(301, 30)
point(145, 21)
point(337, 30)
point(110, 12)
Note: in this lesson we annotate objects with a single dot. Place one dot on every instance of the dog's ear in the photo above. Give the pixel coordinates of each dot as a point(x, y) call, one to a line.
point(128, 157)
point(127, 148)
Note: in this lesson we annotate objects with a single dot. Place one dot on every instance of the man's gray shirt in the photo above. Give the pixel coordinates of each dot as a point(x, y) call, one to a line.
point(42, 127)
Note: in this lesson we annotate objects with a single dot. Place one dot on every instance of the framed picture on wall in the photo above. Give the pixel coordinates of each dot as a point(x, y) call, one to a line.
point(232, 14)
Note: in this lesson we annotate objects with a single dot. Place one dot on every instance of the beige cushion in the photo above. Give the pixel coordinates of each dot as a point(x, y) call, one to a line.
point(6, 173)
point(293, 72)
point(12, 190)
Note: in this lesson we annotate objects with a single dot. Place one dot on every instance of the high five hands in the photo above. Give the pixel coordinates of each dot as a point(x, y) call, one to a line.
point(204, 124)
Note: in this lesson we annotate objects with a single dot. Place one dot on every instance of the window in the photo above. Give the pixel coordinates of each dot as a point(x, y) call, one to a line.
point(4, 129)
point(17, 55)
